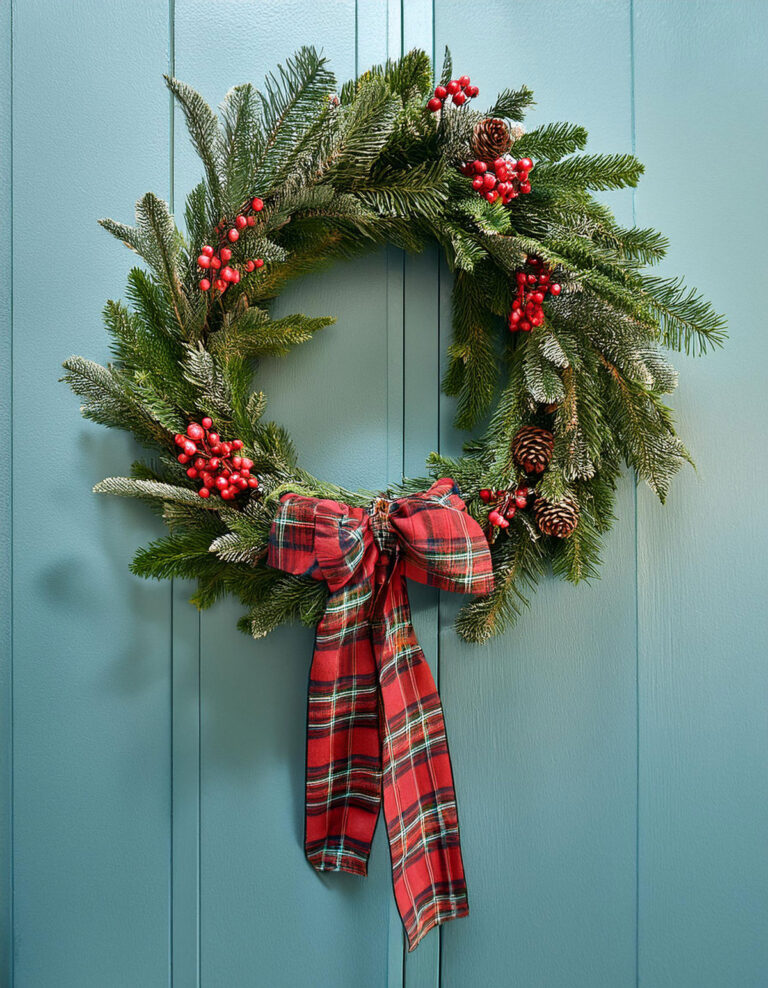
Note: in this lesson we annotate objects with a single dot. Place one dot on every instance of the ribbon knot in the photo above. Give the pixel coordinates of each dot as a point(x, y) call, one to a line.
point(375, 731)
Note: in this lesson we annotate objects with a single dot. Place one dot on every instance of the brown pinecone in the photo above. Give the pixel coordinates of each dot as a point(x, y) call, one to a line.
point(532, 448)
point(558, 519)
point(490, 139)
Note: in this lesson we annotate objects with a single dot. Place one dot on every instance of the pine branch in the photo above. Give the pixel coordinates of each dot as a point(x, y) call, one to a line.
point(688, 322)
point(511, 104)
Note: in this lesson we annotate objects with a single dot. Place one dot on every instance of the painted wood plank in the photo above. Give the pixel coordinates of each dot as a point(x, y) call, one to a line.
point(265, 915)
point(701, 82)
point(91, 643)
point(542, 721)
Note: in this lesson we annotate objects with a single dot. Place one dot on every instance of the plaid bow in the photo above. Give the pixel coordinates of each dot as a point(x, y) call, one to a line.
point(375, 724)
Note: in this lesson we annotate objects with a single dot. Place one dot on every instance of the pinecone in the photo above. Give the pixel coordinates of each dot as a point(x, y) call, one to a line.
point(532, 448)
point(558, 519)
point(490, 139)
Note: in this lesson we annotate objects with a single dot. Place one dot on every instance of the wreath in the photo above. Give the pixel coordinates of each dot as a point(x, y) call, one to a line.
point(558, 330)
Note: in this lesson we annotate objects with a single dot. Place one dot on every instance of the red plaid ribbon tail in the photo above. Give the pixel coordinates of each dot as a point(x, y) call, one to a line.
point(375, 723)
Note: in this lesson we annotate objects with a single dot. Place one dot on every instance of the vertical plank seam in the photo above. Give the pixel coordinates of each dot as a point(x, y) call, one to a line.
point(633, 130)
point(171, 200)
point(11, 920)
point(439, 449)
point(199, 883)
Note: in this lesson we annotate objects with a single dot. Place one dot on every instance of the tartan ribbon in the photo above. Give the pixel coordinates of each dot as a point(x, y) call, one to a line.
point(375, 731)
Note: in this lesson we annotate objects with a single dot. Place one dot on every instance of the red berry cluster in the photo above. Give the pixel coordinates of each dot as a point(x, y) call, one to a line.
point(532, 288)
point(505, 177)
point(218, 260)
point(459, 90)
point(213, 462)
point(506, 504)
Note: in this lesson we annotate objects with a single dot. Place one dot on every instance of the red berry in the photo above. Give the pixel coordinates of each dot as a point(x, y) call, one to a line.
point(248, 464)
point(492, 195)
point(434, 105)
point(538, 297)
point(227, 494)
point(208, 251)
point(226, 449)
point(206, 422)
point(472, 91)
point(253, 482)
point(241, 222)
point(525, 187)
point(249, 266)
point(226, 254)
point(521, 497)
point(555, 289)
point(204, 261)
point(525, 325)
point(179, 439)
point(215, 263)
point(480, 166)
point(204, 492)
point(213, 438)
point(191, 473)
point(221, 483)
point(459, 99)
point(237, 462)
point(441, 92)
point(199, 463)
point(242, 483)
point(250, 220)
point(509, 511)
point(259, 262)
point(485, 495)
point(220, 284)
point(228, 274)
point(525, 163)
point(189, 447)
point(495, 518)
point(203, 284)
point(213, 463)
point(235, 276)
point(194, 431)
point(233, 235)
point(182, 458)
point(489, 180)
point(477, 182)
point(453, 87)
point(256, 204)
point(463, 81)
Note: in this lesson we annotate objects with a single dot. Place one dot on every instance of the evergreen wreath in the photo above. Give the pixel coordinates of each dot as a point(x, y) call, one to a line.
point(558, 331)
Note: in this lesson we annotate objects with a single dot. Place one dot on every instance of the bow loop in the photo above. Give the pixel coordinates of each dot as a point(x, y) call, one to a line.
point(322, 539)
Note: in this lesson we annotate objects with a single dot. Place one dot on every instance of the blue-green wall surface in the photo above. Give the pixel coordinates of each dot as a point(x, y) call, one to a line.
point(610, 752)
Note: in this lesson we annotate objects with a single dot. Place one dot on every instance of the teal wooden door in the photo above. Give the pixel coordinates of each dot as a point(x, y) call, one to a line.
point(610, 753)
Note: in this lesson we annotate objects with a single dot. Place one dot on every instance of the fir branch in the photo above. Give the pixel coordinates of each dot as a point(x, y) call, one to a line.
point(688, 322)
point(592, 171)
point(511, 104)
